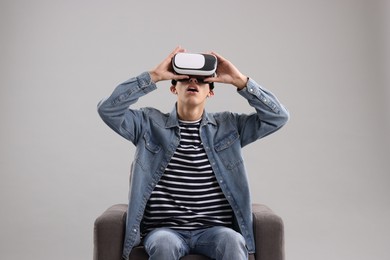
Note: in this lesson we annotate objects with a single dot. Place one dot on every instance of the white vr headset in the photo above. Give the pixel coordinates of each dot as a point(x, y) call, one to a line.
point(195, 64)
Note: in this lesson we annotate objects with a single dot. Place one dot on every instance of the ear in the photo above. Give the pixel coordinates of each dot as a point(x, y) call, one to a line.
point(173, 89)
point(210, 94)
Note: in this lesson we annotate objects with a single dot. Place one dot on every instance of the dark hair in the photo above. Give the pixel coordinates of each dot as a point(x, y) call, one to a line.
point(211, 84)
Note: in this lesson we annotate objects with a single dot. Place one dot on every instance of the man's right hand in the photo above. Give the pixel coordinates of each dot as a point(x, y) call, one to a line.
point(164, 70)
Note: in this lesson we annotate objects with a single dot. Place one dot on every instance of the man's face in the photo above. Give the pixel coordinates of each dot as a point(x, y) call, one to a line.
point(192, 91)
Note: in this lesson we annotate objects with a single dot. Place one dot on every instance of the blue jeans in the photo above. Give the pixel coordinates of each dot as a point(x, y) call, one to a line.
point(220, 243)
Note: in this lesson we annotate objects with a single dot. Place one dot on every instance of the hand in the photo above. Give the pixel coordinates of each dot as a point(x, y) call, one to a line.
point(164, 70)
point(228, 73)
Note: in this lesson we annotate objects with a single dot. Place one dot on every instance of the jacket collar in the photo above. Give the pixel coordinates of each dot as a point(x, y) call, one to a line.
point(173, 120)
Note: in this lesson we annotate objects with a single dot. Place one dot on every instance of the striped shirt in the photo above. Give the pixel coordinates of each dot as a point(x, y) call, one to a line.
point(188, 196)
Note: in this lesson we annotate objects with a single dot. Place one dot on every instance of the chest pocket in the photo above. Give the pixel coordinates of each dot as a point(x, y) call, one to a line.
point(147, 152)
point(228, 149)
point(226, 141)
point(150, 144)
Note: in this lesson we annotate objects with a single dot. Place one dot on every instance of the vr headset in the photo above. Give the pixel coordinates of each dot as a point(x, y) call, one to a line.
point(194, 64)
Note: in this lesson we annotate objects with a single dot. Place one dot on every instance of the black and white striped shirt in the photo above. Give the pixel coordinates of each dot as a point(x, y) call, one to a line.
point(188, 196)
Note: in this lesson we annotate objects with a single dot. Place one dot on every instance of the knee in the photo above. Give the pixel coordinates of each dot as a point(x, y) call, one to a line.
point(165, 242)
point(232, 244)
point(232, 239)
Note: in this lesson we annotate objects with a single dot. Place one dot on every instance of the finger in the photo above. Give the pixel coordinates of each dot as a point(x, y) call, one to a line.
point(219, 57)
point(212, 79)
point(168, 59)
point(179, 77)
point(177, 50)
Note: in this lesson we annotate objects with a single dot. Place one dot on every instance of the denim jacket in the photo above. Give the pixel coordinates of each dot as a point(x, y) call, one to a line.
point(156, 137)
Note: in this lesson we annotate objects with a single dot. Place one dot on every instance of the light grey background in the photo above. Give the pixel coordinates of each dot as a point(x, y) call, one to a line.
point(326, 173)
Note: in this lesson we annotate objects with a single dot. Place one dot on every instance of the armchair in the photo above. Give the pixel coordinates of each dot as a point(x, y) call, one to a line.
point(109, 231)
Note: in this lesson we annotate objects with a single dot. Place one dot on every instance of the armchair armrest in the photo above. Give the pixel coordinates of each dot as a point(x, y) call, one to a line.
point(269, 233)
point(109, 232)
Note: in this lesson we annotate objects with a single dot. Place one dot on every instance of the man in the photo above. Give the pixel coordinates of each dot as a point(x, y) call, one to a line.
point(189, 191)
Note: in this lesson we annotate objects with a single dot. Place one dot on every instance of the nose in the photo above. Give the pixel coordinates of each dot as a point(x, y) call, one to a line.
point(193, 80)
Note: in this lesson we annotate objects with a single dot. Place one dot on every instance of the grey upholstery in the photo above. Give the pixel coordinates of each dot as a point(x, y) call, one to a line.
point(109, 231)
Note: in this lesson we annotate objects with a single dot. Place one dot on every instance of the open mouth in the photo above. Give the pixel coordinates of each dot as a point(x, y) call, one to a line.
point(192, 89)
